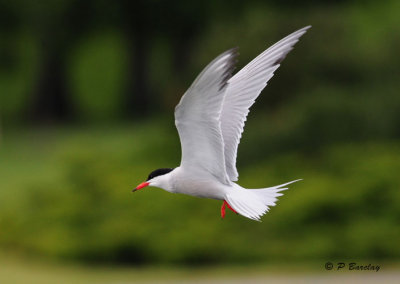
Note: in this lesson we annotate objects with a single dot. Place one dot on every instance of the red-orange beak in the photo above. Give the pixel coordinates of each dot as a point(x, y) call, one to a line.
point(140, 186)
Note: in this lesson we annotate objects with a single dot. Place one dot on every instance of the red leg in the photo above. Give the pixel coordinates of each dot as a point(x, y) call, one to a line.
point(223, 210)
point(227, 204)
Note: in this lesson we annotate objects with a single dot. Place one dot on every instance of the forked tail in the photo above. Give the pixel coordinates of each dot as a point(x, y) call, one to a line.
point(253, 203)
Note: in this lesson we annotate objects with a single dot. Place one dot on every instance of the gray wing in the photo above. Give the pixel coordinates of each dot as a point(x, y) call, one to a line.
point(197, 118)
point(242, 91)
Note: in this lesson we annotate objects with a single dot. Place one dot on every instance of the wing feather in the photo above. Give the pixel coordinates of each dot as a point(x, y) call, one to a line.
point(242, 91)
point(197, 118)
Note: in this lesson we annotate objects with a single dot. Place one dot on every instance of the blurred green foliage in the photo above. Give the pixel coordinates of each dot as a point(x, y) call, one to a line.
point(18, 65)
point(97, 73)
point(345, 208)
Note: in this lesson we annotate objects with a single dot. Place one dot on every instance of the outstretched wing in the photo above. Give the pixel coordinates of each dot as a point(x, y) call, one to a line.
point(242, 91)
point(197, 118)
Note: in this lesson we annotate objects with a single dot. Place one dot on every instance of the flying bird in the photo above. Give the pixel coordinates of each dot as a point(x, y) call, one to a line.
point(210, 119)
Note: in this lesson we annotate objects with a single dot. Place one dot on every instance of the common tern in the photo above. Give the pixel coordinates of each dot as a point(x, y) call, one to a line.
point(210, 119)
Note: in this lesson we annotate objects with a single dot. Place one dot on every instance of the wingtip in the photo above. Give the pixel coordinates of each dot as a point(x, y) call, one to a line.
point(231, 66)
point(298, 33)
point(233, 52)
point(303, 30)
point(234, 49)
point(306, 28)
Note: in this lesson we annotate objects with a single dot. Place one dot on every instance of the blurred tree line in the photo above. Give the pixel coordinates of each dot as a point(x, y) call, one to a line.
point(65, 59)
point(70, 60)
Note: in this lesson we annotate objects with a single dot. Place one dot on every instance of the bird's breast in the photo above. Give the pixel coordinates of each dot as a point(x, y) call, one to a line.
point(199, 187)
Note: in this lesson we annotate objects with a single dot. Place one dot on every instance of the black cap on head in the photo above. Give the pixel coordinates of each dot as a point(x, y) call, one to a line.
point(159, 172)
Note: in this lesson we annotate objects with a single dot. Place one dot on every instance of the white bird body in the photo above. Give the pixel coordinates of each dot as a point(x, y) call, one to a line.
point(210, 120)
point(196, 184)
